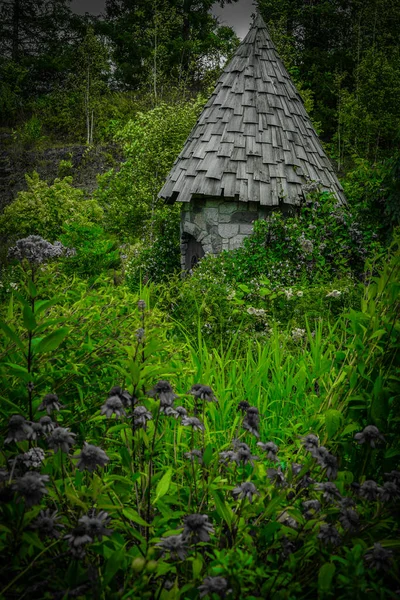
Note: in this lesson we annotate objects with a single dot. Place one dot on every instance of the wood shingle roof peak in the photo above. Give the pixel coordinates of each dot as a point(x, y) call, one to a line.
point(254, 141)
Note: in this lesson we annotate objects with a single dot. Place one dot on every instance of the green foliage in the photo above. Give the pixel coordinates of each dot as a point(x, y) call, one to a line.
point(373, 191)
point(95, 252)
point(44, 209)
point(89, 338)
point(159, 258)
point(151, 144)
point(29, 133)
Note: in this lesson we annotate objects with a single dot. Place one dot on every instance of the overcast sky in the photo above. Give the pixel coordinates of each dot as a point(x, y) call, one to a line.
point(236, 15)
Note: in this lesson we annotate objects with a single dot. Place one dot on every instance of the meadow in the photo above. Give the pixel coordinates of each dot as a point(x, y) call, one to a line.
point(145, 455)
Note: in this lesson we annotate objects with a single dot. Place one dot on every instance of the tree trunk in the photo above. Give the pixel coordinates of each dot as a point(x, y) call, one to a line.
point(15, 33)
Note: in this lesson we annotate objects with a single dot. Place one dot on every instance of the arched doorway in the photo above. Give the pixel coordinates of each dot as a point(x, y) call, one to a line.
point(194, 251)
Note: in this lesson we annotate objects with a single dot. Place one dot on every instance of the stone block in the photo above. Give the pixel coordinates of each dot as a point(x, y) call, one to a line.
point(228, 230)
point(246, 229)
point(224, 218)
point(211, 215)
point(213, 203)
point(236, 242)
point(200, 220)
point(243, 216)
point(189, 227)
point(227, 208)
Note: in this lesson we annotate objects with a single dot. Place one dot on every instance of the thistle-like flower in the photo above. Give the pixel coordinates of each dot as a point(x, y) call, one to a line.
point(379, 558)
point(36, 431)
point(91, 457)
point(369, 490)
point(330, 491)
point(96, 524)
point(277, 477)
point(50, 403)
point(202, 392)
point(326, 461)
point(140, 335)
point(164, 392)
point(141, 305)
point(47, 424)
point(310, 442)
point(245, 490)
point(244, 454)
point(77, 539)
point(393, 476)
point(328, 534)
point(113, 406)
point(175, 545)
point(195, 456)
point(46, 523)
point(349, 519)
point(181, 411)
point(270, 448)
point(251, 421)
point(228, 456)
point(140, 417)
point(35, 250)
point(61, 439)
point(389, 492)
point(296, 468)
point(311, 508)
point(18, 429)
point(369, 435)
point(197, 528)
point(123, 395)
point(214, 585)
point(193, 422)
point(31, 487)
point(243, 406)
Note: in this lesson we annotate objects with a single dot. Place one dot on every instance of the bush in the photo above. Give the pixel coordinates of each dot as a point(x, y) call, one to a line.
point(159, 257)
point(44, 209)
point(95, 252)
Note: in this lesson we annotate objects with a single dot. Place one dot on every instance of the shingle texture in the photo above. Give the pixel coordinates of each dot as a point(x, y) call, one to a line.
point(254, 141)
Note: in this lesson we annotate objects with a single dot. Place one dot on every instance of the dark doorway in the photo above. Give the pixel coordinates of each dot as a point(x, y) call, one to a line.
point(194, 252)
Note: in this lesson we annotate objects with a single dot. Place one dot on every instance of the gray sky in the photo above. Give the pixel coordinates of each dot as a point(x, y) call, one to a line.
point(236, 15)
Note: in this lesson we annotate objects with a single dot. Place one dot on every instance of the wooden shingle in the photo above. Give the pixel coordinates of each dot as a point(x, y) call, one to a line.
point(254, 140)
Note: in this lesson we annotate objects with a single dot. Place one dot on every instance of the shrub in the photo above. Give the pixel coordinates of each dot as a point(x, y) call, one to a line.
point(95, 252)
point(43, 209)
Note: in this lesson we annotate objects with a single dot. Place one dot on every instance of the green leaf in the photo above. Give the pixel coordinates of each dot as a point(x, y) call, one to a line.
point(32, 289)
point(207, 455)
point(113, 564)
point(325, 576)
point(163, 485)
point(132, 515)
point(197, 566)
point(264, 292)
point(333, 420)
point(29, 318)
point(350, 428)
point(10, 333)
point(223, 510)
point(52, 341)
point(42, 305)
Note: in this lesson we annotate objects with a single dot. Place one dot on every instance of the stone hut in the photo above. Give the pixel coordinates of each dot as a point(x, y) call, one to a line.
point(252, 150)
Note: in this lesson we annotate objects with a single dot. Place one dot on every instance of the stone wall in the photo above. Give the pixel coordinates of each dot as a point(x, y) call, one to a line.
point(219, 224)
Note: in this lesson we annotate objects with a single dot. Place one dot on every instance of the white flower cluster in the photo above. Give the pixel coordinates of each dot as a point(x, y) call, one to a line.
point(258, 312)
point(298, 334)
point(334, 294)
point(306, 245)
point(288, 293)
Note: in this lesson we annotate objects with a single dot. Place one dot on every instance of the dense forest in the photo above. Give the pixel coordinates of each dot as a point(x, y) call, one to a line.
point(234, 431)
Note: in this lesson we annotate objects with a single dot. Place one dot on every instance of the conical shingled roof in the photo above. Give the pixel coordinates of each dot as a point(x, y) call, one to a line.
point(254, 141)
